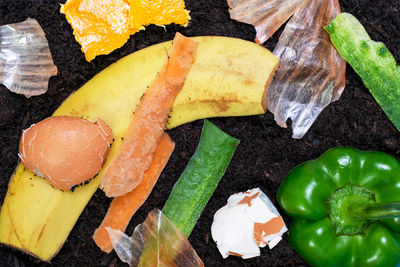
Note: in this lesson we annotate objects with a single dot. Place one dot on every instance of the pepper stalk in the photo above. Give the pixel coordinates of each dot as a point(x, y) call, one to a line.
point(376, 211)
point(352, 208)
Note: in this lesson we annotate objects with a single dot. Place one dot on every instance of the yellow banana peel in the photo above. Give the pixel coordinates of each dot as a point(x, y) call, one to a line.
point(228, 78)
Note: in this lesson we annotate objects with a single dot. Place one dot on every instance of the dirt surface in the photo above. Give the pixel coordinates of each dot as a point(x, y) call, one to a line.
point(266, 153)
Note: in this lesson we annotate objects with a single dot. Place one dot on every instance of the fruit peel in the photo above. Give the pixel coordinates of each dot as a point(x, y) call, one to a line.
point(30, 218)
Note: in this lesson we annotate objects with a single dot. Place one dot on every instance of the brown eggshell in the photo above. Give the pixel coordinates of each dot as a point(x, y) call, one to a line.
point(65, 150)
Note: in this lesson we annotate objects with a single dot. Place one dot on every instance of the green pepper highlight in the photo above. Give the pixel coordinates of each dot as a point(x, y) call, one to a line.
point(345, 208)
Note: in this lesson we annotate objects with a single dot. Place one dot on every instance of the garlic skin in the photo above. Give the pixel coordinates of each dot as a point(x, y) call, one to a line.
point(248, 221)
point(25, 59)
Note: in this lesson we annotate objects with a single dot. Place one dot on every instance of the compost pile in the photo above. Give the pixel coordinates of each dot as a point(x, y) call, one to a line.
point(266, 153)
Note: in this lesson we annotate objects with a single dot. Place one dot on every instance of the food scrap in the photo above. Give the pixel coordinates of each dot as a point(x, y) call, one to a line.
point(67, 151)
point(345, 208)
point(311, 74)
point(167, 234)
point(122, 208)
point(218, 82)
point(371, 60)
point(200, 178)
point(101, 26)
point(155, 242)
point(247, 222)
point(230, 77)
point(25, 59)
point(265, 15)
point(158, 12)
point(125, 171)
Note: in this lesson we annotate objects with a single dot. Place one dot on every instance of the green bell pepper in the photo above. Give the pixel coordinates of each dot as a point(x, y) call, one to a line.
point(344, 208)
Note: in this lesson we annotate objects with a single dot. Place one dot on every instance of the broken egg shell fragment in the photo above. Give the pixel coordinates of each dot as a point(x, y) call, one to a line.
point(25, 59)
point(233, 232)
point(67, 151)
point(269, 233)
point(247, 222)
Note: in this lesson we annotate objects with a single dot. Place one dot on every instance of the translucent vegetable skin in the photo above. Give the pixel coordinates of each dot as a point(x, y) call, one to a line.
point(311, 73)
point(155, 242)
point(25, 60)
point(198, 181)
point(265, 15)
point(371, 60)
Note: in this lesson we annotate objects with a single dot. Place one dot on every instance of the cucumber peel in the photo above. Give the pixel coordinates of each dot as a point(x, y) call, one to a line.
point(200, 178)
point(371, 60)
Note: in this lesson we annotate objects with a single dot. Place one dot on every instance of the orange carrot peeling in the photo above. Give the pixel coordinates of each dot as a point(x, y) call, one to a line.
point(122, 208)
point(125, 172)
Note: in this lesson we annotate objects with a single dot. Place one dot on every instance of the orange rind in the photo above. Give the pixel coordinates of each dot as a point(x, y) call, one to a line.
point(158, 12)
point(101, 26)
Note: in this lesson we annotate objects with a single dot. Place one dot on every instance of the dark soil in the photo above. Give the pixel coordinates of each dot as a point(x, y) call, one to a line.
point(266, 153)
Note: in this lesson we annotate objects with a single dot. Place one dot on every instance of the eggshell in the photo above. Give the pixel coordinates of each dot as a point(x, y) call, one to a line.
point(234, 234)
point(248, 221)
point(65, 150)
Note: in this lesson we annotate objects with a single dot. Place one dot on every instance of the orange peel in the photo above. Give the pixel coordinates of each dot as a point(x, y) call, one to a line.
point(159, 12)
point(101, 26)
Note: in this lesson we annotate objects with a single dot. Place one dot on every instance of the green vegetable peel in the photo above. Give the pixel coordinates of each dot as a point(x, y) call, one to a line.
point(371, 60)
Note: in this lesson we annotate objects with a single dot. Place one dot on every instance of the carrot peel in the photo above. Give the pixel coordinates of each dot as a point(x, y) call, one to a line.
point(125, 172)
point(122, 208)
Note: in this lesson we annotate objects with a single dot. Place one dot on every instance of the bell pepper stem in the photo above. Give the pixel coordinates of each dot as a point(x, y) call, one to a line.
point(352, 208)
point(376, 211)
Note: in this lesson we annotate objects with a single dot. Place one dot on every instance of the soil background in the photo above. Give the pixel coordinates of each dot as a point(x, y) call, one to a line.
point(264, 157)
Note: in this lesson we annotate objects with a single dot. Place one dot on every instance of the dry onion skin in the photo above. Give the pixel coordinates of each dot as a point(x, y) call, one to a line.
point(311, 74)
point(155, 242)
point(25, 60)
point(265, 15)
point(67, 151)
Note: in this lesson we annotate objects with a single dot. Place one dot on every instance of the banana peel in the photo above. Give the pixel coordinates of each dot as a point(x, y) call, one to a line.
point(229, 77)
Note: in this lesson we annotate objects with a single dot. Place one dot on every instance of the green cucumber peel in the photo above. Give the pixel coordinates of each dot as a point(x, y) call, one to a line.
point(200, 178)
point(371, 60)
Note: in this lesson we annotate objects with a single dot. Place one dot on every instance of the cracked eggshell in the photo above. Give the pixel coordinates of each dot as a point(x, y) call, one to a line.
point(233, 232)
point(67, 151)
point(247, 222)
